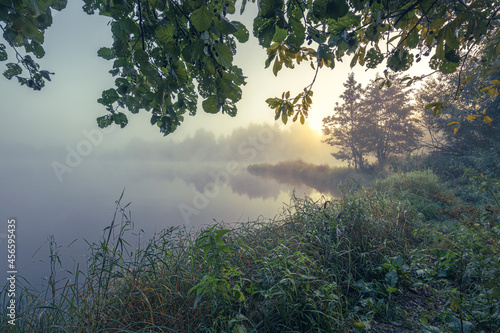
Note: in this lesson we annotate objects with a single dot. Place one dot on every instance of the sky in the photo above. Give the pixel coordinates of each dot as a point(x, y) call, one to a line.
point(60, 174)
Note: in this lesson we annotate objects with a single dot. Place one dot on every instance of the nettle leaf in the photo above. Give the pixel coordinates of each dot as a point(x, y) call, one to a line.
point(210, 105)
point(201, 18)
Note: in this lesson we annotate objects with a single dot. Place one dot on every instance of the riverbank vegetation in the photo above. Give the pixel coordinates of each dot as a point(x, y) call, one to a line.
point(405, 254)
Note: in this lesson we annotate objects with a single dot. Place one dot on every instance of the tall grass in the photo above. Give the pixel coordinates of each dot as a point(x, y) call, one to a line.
point(320, 266)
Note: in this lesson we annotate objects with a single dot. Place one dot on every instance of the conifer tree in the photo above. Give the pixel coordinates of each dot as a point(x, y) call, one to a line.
point(347, 127)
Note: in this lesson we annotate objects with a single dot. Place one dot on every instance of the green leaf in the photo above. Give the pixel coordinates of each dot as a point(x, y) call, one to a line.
point(106, 53)
point(297, 33)
point(336, 9)
point(412, 39)
point(273, 102)
point(242, 33)
point(38, 49)
point(120, 119)
point(455, 305)
point(201, 18)
point(332, 9)
point(46, 74)
point(431, 105)
point(401, 60)
point(326, 55)
point(108, 97)
point(165, 35)
point(372, 33)
point(448, 67)
point(391, 290)
point(440, 45)
point(12, 70)
point(243, 5)
point(373, 58)
point(104, 121)
point(277, 66)
point(284, 117)
point(225, 27)
point(268, 8)
point(264, 30)
point(437, 23)
point(280, 35)
point(354, 60)
point(391, 278)
point(451, 39)
point(38, 6)
point(358, 325)
point(59, 4)
point(194, 51)
point(181, 73)
point(397, 261)
point(223, 55)
point(3, 53)
point(210, 105)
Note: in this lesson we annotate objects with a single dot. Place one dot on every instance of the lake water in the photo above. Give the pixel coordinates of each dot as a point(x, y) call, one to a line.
point(68, 192)
point(84, 204)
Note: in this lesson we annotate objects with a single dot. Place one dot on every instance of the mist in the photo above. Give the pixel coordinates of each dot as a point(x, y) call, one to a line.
point(69, 191)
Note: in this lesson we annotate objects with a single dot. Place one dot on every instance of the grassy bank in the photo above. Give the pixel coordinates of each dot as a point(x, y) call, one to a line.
point(404, 255)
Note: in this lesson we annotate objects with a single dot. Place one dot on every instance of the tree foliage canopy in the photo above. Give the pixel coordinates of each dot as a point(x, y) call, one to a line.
point(167, 53)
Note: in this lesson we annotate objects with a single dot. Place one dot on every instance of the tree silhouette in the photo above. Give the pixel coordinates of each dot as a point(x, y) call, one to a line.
point(372, 121)
point(347, 129)
point(394, 128)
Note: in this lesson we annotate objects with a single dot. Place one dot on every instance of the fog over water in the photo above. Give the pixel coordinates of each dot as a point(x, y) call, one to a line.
point(69, 190)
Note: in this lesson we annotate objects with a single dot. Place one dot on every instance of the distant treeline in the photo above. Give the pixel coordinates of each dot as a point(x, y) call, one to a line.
point(323, 178)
